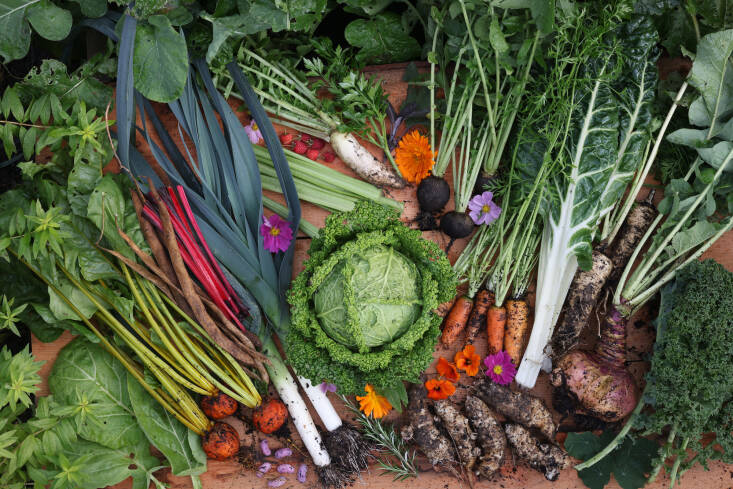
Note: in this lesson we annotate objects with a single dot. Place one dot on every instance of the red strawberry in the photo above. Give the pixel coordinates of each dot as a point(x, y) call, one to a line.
point(328, 157)
point(286, 138)
point(306, 138)
point(312, 154)
point(300, 147)
point(318, 143)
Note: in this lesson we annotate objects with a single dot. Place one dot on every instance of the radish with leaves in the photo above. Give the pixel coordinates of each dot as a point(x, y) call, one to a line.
point(286, 93)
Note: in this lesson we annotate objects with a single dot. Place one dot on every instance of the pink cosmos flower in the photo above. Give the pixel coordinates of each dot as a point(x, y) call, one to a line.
point(500, 368)
point(276, 233)
point(483, 209)
point(327, 387)
point(253, 132)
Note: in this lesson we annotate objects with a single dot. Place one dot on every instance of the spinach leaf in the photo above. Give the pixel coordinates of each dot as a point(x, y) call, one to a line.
point(83, 367)
point(104, 466)
point(160, 60)
point(16, 16)
point(180, 445)
point(381, 39)
point(92, 8)
point(629, 463)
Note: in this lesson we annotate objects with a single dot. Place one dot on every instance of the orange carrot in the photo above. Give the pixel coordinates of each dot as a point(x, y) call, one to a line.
point(495, 323)
point(455, 321)
point(481, 304)
point(516, 328)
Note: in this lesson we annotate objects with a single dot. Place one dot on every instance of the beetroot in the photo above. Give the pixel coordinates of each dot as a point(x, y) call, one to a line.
point(598, 379)
point(218, 406)
point(456, 225)
point(432, 194)
point(221, 442)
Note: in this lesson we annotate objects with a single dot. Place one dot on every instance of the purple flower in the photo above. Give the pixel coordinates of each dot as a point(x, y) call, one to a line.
point(253, 132)
point(327, 387)
point(483, 209)
point(500, 368)
point(276, 232)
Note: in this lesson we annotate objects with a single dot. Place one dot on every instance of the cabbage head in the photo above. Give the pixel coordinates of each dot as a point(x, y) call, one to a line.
point(362, 309)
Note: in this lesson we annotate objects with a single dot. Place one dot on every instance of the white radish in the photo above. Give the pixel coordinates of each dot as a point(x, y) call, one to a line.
point(356, 157)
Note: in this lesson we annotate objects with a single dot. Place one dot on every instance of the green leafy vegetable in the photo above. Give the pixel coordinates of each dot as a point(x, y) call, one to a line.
point(630, 464)
point(160, 62)
point(382, 39)
point(16, 16)
point(368, 243)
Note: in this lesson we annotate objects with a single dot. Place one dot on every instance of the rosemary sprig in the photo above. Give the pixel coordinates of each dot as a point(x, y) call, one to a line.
point(386, 441)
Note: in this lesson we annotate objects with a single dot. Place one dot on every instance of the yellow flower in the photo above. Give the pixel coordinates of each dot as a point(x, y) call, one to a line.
point(373, 404)
point(414, 157)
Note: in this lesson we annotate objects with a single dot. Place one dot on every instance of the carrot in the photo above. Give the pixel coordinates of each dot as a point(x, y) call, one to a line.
point(481, 304)
point(516, 328)
point(455, 321)
point(495, 323)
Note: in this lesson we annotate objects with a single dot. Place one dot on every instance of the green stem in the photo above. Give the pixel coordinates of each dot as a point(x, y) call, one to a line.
point(309, 229)
point(616, 441)
point(667, 448)
point(677, 462)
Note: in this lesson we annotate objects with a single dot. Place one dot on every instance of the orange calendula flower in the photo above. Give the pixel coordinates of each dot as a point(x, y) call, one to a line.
point(448, 370)
point(439, 389)
point(414, 157)
point(467, 360)
point(373, 404)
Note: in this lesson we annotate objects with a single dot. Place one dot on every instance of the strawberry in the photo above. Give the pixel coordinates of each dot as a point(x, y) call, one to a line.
point(300, 147)
point(328, 157)
point(312, 154)
point(318, 143)
point(286, 138)
point(306, 139)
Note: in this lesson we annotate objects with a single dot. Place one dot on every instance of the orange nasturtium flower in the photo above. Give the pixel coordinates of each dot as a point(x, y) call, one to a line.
point(448, 370)
point(467, 360)
point(373, 404)
point(439, 389)
point(414, 157)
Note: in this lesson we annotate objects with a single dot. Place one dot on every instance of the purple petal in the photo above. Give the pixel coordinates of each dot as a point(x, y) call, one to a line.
point(487, 196)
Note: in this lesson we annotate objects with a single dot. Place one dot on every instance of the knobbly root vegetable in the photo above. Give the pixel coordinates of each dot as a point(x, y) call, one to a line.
point(457, 426)
point(432, 194)
point(477, 319)
point(548, 459)
point(636, 225)
point(599, 379)
point(219, 406)
point(495, 326)
point(584, 292)
point(221, 442)
point(455, 321)
point(456, 224)
point(490, 436)
point(517, 323)
point(423, 432)
point(520, 407)
point(356, 157)
point(270, 416)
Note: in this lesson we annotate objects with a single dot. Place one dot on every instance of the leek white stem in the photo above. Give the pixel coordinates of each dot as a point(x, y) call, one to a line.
point(322, 404)
point(287, 389)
